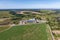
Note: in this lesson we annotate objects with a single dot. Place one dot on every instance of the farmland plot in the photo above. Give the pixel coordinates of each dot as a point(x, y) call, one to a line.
point(25, 32)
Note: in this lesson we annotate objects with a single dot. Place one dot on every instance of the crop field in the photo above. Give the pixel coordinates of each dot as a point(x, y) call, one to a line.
point(25, 32)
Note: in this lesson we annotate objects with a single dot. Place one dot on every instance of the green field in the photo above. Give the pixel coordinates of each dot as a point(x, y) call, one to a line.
point(25, 32)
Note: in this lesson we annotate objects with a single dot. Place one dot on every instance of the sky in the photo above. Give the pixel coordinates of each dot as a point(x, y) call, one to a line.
point(29, 4)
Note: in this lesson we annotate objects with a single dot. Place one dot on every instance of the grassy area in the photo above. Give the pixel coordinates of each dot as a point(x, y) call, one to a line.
point(25, 32)
point(3, 27)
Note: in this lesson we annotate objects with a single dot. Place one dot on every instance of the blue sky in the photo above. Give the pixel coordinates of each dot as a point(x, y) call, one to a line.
point(25, 4)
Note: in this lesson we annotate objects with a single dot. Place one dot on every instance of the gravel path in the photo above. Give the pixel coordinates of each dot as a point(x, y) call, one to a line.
point(50, 32)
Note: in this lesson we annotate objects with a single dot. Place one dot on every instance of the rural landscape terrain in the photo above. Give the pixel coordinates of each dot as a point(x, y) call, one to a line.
point(30, 24)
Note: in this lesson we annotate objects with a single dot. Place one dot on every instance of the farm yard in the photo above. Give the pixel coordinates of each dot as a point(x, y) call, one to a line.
point(26, 32)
